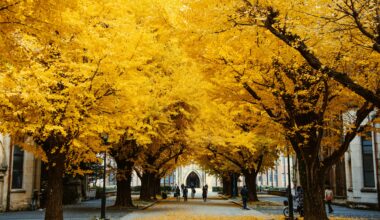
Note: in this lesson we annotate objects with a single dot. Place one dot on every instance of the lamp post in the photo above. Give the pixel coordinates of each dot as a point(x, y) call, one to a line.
point(290, 196)
point(103, 201)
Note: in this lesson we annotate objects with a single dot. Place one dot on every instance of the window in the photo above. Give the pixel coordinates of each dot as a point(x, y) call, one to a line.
point(18, 167)
point(368, 171)
point(276, 177)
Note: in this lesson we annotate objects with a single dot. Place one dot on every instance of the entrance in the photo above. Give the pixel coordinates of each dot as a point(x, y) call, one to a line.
point(192, 180)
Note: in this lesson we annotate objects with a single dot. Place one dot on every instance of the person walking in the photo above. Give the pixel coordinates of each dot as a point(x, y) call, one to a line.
point(204, 193)
point(193, 192)
point(329, 198)
point(185, 194)
point(244, 196)
point(178, 193)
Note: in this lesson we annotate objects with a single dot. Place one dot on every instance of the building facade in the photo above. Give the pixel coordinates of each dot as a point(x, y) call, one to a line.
point(189, 175)
point(277, 177)
point(19, 177)
point(362, 167)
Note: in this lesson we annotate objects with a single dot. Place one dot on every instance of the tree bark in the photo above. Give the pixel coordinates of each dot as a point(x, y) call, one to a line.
point(147, 186)
point(312, 182)
point(233, 184)
point(124, 178)
point(54, 208)
point(227, 185)
point(250, 182)
point(145, 191)
point(158, 185)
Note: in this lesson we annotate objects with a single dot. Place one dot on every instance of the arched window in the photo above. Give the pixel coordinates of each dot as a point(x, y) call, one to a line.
point(192, 180)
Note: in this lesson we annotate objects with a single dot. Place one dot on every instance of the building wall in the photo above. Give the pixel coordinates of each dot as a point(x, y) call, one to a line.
point(278, 175)
point(357, 193)
point(180, 175)
point(19, 199)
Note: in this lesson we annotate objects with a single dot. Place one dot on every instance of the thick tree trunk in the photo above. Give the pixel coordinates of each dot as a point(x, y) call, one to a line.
point(124, 178)
point(250, 182)
point(148, 189)
point(145, 191)
point(153, 184)
point(158, 185)
point(229, 187)
point(54, 190)
point(233, 190)
point(312, 182)
point(226, 185)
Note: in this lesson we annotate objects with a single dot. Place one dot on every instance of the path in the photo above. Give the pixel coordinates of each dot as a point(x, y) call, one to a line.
point(193, 207)
point(339, 211)
point(90, 210)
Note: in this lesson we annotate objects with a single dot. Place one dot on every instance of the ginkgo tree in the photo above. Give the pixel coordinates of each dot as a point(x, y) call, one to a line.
point(329, 35)
point(294, 94)
point(64, 96)
point(230, 130)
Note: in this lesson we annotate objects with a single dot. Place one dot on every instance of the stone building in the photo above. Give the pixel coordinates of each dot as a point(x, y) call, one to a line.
point(277, 177)
point(19, 176)
point(362, 167)
point(188, 175)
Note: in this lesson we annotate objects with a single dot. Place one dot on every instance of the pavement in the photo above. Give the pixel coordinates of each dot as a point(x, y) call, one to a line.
point(339, 211)
point(90, 210)
point(194, 208)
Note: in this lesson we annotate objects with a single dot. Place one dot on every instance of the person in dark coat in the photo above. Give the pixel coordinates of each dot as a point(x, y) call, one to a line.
point(193, 192)
point(178, 193)
point(185, 191)
point(244, 196)
point(204, 193)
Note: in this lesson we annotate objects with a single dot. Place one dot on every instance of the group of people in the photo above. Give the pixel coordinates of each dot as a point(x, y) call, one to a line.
point(185, 192)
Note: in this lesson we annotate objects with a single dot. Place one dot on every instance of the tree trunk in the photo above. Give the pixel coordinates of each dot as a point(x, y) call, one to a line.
point(228, 186)
point(145, 191)
point(312, 182)
point(148, 188)
point(250, 182)
point(124, 178)
point(158, 185)
point(153, 185)
point(54, 190)
point(233, 189)
point(225, 185)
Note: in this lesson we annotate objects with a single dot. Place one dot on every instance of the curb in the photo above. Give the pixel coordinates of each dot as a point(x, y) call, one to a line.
point(236, 203)
point(233, 201)
point(150, 205)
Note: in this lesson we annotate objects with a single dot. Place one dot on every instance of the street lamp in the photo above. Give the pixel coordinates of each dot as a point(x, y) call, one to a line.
point(290, 196)
point(104, 137)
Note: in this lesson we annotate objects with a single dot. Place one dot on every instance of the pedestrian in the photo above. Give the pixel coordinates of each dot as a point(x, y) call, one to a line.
point(299, 198)
point(193, 192)
point(244, 196)
point(185, 194)
point(204, 193)
point(178, 193)
point(329, 198)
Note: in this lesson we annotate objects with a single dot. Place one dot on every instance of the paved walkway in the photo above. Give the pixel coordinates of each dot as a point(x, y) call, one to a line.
point(90, 210)
point(195, 208)
point(339, 211)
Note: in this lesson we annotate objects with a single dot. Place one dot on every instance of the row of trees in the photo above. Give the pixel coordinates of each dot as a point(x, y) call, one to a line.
point(232, 81)
point(304, 63)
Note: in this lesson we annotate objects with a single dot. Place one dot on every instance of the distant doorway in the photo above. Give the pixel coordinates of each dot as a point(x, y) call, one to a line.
point(192, 180)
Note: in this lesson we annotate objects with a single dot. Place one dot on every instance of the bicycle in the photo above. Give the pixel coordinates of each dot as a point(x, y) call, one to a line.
point(298, 210)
